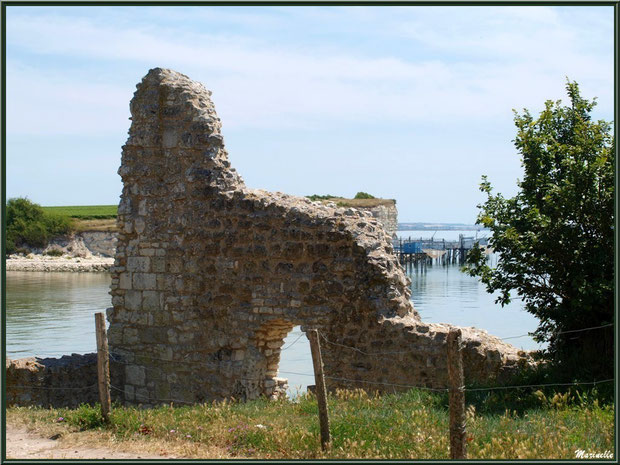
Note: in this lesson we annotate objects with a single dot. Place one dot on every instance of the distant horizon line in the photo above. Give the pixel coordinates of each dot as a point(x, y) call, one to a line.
point(408, 225)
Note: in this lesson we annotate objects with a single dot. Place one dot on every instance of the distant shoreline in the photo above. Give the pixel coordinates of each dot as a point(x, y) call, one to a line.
point(38, 262)
point(439, 227)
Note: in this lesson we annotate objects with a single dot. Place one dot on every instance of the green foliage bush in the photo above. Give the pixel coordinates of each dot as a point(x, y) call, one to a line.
point(28, 224)
point(363, 195)
point(315, 197)
point(54, 253)
point(555, 238)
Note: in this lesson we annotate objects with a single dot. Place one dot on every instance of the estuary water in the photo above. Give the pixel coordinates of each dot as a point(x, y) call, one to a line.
point(51, 314)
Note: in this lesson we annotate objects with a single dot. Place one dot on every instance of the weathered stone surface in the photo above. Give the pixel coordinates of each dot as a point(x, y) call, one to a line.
point(387, 216)
point(237, 268)
point(65, 382)
point(100, 242)
point(83, 244)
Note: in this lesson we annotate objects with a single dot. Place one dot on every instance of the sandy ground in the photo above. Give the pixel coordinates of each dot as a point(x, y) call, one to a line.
point(21, 444)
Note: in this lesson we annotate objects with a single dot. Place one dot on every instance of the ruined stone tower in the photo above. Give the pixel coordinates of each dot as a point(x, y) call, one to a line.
point(210, 275)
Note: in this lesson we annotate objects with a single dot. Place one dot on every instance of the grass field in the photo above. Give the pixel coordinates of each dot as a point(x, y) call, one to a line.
point(85, 212)
point(412, 425)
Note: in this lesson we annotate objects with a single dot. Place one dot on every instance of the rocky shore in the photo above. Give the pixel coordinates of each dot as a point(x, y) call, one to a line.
point(37, 262)
point(84, 251)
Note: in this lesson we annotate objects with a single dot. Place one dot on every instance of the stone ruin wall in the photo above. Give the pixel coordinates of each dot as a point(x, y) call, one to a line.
point(210, 275)
point(50, 382)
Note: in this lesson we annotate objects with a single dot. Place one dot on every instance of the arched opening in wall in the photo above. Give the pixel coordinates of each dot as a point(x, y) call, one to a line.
point(286, 354)
point(296, 362)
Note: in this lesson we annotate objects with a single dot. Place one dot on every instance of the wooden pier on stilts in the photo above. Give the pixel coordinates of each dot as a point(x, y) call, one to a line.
point(424, 252)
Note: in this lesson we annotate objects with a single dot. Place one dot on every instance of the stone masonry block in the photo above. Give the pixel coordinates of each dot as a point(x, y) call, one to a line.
point(139, 264)
point(130, 336)
point(144, 281)
point(125, 281)
point(158, 264)
point(129, 392)
point(151, 300)
point(142, 395)
point(135, 375)
point(133, 300)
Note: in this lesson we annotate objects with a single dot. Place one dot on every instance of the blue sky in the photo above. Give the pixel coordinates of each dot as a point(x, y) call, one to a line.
point(412, 103)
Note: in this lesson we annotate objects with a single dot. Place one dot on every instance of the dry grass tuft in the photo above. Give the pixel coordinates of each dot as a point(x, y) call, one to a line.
point(104, 225)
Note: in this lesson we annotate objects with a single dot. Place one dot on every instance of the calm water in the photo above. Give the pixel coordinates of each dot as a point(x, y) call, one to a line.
point(443, 294)
point(51, 314)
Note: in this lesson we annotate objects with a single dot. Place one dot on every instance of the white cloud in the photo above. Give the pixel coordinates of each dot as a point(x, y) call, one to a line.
point(514, 57)
point(43, 102)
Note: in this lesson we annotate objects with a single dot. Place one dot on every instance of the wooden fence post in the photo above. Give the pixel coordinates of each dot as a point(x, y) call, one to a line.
point(457, 395)
point(103, 366)
point(321, 392)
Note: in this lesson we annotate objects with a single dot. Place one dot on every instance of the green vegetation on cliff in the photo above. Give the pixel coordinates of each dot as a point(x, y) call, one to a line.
point(361, 200)
point(28, 224)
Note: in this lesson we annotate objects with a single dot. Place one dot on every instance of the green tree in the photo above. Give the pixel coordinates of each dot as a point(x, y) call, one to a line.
point(555, 238)
point(28, 224)
point(363, 195)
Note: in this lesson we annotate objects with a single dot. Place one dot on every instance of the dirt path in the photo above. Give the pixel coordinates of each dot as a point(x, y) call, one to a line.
point(21, 444)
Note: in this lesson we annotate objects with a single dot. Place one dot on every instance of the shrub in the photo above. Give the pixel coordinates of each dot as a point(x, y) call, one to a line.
point(10, 246)
point(315, 197)
point(57, 224)
point(54, 253)
point(28, 224)
point(363, 195)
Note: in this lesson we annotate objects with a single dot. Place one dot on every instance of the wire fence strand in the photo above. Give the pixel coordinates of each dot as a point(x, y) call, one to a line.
point(577, 383)
point(158, 370)
point(413, 350)
point(292, 343)
point(363, 352)
point(51, 388)
point(424, 388)
point(560, 332)
point(147, 399)
point(335, 378)
point(584, 329)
